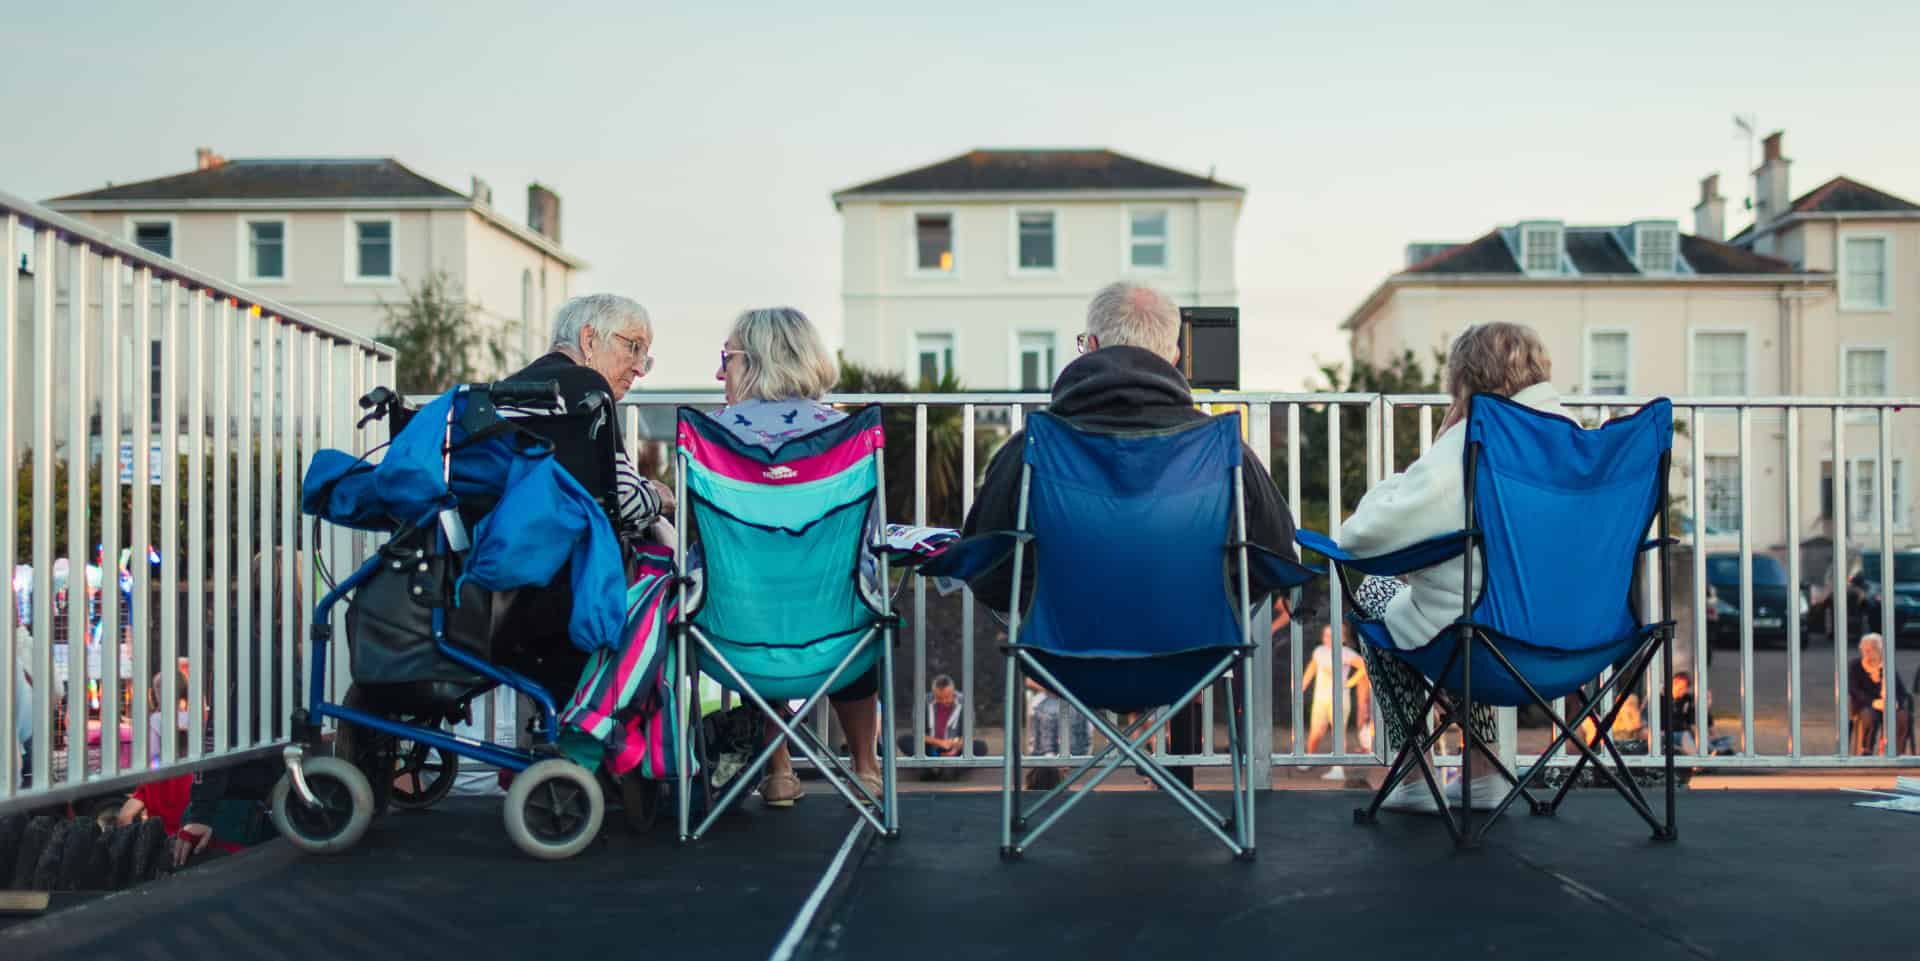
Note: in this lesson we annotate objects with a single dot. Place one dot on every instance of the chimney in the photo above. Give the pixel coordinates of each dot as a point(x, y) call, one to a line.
point(205, 159)
point(1710, 214)
point(1770, 181)
point(543, 212)
point(482, 192)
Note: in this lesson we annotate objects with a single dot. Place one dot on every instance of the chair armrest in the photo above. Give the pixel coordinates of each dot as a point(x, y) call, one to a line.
point(1659, 542)
point(1269, 571)
point(971, 557)
point(1411, 558)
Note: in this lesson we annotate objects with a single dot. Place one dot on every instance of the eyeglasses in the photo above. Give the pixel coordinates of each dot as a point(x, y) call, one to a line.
point(726, 355)
point(1083, 342)
point(635, 350)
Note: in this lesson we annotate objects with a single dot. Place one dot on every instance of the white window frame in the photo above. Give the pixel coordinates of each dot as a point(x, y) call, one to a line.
point(352, 266)
point(913, 241)
point(1013, 242)
point(1560, 246)
point(245, 234)
point(1706, 460)
point(1126, 249)
point(1902, 517)
point(1586, 357)
point(1016, 350)
point(913, 353)
point(1886, 360)
point(1640, 232)
point(1693, 359)
point(133, 221)
point(1886, 270)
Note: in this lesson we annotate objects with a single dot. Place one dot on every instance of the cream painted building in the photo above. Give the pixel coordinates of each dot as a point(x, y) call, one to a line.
point(982, 264)
point(336, 237)
point(1820, 299)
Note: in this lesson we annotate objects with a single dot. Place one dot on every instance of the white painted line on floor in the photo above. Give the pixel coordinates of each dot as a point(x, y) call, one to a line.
point(803, 920)
point(1855, 790)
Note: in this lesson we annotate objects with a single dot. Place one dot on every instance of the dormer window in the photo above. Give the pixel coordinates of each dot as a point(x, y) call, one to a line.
point(1656, 246)
point(1541, 243)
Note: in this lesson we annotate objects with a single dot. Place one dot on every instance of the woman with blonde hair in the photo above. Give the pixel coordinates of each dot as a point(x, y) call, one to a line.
point(1427, 500)
point(777, 369)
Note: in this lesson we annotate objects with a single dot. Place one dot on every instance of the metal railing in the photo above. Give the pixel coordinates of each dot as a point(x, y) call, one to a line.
point(110, 350)
point(1719, 472)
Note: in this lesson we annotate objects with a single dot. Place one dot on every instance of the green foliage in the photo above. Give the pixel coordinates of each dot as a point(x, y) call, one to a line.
point(1404, 374)
point(438, 339)
point(946, 444)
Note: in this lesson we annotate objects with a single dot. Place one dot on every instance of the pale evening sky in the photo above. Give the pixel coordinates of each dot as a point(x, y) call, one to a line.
point(694, 150)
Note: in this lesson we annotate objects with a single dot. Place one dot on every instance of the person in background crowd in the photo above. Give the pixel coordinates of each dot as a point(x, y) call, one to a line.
point(946, 707)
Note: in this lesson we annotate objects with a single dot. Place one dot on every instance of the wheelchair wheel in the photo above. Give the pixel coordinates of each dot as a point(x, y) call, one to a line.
point(423, 775)
point(341, 817)
point(554, 809)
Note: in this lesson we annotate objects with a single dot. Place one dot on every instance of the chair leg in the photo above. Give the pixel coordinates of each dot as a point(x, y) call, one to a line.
point(1010, 761)
point(889, 759)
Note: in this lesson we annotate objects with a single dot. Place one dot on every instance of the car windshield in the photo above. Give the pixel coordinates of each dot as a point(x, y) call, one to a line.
point(1906, 566)
point(1725, 569)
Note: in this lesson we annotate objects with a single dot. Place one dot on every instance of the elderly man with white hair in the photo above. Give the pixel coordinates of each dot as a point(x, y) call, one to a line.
point(1125, 379)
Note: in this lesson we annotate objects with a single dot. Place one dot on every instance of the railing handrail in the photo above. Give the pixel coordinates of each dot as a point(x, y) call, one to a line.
point(659, 398)
point(34, 215)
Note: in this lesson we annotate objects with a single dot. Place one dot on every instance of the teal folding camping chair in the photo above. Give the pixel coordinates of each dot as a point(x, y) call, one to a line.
point(786, 598)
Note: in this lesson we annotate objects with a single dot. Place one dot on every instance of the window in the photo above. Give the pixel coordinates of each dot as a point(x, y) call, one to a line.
point(1036, 241)
point(1720, 364)
point(933, 357)
point(1147, 239)
point(154, 236)
point(154, 383)
point(373, 249)
point(1722, 489)
point(933, 243)
point(1865, 372)
point(1863, 274)
point(1540, 248)
point(1657, 245)
point(1863, 494)
point(266, 250)
point(1607, 362)
point(1036, 362)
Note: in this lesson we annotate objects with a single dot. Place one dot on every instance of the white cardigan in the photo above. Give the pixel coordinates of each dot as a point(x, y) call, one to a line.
point(1426, 500)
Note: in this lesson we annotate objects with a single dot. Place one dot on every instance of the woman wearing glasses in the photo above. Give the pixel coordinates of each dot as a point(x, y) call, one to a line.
point(777, 369)
point(600, 345)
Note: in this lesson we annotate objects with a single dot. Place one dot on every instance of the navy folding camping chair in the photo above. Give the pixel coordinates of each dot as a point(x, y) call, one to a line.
point(1143, 596)
point(1559, 516)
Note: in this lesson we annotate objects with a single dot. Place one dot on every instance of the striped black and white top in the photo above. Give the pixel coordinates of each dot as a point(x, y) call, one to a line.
point(639, 502)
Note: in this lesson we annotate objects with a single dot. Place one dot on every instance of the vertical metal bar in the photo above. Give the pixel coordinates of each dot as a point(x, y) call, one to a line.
point(318, 392)
point(199, 458)
point(110, 632)
point(1337, 664)
point(171, 579)
point(1696, 498)
point(1792, 614)
point(966, 595)
point(43, 460)
point(221, 583)
point(1257, 706)
point(1842, 496)
point(1387, 460)
point(1889, 606)
point(1294, 631)
point(919, 592)
point(265, 498)
point(1426, 428)
point(354, 438)
point(77, 429)
point(140, 406)
point(1747, 687)
point(246, 638)
point(9, 480)
point(292, 468)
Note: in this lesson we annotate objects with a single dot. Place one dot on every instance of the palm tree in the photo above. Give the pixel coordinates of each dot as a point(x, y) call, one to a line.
point(946, 439)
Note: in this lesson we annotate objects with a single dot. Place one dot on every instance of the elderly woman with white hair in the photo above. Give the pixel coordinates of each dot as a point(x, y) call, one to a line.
point(1867, 703)
point(777, 369)
point(1424, 501)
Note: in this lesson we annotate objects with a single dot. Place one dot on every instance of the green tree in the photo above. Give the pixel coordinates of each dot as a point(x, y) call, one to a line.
point(1404, 374)
point(946, 443)
point(439, 340)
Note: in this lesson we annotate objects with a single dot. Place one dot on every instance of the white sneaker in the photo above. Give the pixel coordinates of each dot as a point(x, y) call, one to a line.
point(1488, 790)
point(1335, 773)
point(1411, 797)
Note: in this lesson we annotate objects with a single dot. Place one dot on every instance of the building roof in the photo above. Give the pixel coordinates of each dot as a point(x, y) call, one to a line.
point(1596, 251)
point(1014, 171)
point(1841, 195)
point(277, 178)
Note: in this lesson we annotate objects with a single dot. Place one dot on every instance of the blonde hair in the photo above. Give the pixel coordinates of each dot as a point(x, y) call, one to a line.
point(1497, 358)
point(785, 357)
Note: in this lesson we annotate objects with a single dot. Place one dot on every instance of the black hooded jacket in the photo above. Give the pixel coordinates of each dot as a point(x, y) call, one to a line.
point(1116, 389)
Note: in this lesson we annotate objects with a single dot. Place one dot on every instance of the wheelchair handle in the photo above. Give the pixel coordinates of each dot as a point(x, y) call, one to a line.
point(545, 392)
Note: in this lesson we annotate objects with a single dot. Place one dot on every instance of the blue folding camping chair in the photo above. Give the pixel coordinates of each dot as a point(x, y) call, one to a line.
point(786, 598)
point(1143, 596)
point(1559, 516)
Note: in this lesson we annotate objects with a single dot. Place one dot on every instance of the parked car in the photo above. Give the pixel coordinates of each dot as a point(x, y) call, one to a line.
point(1906, 592)
point(1774, 600)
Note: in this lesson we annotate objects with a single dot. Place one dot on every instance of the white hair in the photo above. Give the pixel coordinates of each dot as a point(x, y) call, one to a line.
point(607, 313)
point(786, 359)
point(1135, 315)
